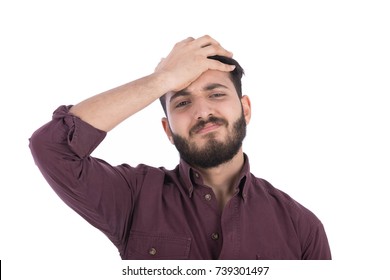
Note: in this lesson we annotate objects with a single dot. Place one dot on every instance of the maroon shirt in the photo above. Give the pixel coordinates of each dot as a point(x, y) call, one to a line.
point(154, 213)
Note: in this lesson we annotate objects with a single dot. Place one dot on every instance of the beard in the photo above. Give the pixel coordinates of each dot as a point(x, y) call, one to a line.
point(214, 152)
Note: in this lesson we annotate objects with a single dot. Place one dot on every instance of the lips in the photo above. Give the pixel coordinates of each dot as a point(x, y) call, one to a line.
point(207, 126)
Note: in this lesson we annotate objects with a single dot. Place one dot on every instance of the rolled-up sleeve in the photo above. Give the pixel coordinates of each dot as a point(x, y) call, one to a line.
point(99, 192)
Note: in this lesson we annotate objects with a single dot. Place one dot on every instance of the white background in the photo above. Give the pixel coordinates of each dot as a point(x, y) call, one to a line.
point(317, 73)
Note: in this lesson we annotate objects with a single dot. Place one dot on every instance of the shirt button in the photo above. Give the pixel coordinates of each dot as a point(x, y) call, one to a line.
point(152, 251)
point(215, 236)
point(207, 197)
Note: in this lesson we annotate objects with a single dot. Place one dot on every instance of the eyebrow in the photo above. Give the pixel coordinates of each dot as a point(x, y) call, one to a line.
point(185, 92)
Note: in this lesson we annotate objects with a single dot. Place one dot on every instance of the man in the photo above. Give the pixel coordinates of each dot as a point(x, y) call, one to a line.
point(210, 206)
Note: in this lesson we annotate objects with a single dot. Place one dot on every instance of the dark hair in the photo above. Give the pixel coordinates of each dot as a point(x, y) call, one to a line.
point(235, 76)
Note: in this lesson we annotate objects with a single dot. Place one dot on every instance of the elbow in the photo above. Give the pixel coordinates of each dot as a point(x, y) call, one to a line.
point(37, 145)
point(41, 145)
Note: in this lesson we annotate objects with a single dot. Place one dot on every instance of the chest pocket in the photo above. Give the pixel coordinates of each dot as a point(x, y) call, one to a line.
point(146, 246)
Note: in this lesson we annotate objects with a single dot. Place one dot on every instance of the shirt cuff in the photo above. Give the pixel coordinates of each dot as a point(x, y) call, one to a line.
point(82, 137)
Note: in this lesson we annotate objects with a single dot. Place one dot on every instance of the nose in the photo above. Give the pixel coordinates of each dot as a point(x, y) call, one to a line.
point(202, 109)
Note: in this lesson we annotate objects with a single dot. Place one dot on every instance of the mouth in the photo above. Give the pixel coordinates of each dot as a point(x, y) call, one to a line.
point(209, 127)
point(204, 127)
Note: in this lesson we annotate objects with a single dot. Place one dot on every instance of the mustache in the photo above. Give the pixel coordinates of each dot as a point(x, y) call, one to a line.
point(202, 123)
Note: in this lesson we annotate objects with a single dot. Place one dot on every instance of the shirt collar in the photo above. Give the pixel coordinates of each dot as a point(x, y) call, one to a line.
point(191, 176)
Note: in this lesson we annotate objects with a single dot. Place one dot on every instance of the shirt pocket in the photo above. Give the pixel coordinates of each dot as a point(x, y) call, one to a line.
point(155, 246)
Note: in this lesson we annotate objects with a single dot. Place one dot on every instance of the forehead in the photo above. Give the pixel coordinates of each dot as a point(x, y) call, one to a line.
point(207, 81)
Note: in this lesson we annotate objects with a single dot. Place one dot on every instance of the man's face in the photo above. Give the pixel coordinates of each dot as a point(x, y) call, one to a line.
point(207, 121)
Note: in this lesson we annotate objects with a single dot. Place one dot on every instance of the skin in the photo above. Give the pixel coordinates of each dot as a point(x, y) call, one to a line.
point(213, 93)
point(184, 64)
point(186, 67)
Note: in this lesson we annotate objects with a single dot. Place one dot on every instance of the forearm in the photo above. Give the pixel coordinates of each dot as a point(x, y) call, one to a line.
point(106, 110)
point(185, 63)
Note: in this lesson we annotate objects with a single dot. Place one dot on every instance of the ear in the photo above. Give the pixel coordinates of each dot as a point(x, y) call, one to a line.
point(246, 106)
point(167, 129)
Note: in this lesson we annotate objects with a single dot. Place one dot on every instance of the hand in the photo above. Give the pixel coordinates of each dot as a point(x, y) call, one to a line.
point(189, 59)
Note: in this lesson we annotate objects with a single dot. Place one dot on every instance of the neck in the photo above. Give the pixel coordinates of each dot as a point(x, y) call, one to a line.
point(222, 178)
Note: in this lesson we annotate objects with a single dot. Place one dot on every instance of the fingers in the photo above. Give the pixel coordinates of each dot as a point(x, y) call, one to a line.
point(205, 41)
point(211, 46)
point(185, 41)
point(189, 58)
point(206, 44)
point(217, 65)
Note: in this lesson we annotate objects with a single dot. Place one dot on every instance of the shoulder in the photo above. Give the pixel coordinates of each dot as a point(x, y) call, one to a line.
point(293, 217)
point(281, 202)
